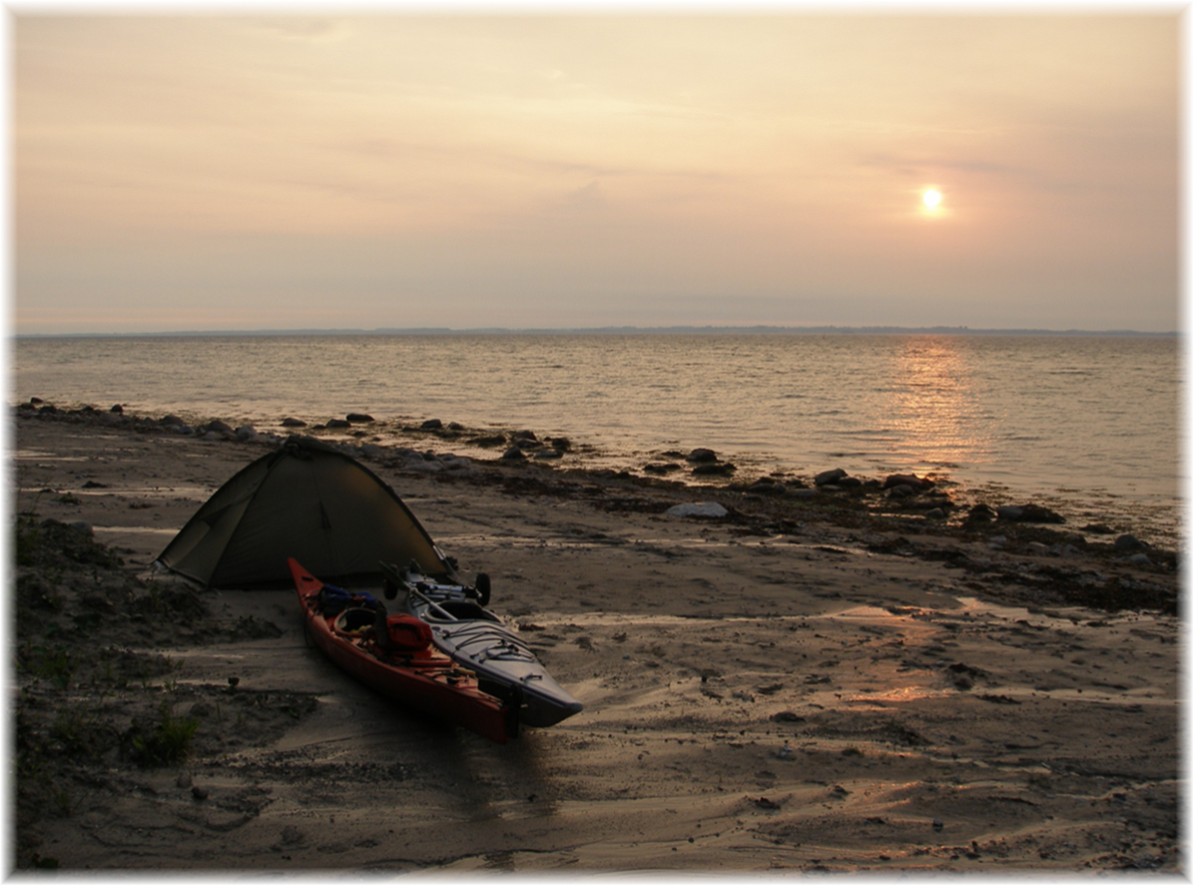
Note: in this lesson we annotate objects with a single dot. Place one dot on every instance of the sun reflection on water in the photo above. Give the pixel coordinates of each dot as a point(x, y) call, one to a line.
point(935, 406)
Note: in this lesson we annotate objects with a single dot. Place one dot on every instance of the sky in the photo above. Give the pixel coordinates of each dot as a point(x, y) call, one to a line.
point(576, 168)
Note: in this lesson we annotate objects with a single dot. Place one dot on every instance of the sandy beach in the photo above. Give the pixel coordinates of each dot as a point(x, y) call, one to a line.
point(823, 680)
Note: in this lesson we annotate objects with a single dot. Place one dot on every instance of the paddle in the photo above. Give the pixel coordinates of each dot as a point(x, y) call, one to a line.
point(392, 572)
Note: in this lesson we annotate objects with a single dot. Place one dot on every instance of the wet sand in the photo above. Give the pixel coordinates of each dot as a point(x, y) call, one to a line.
point(803, 685)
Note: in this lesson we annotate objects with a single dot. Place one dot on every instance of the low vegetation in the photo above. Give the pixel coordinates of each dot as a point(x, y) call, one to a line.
point(99, 705)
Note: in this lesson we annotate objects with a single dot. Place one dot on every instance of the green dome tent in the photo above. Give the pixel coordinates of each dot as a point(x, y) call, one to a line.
point(304, 500)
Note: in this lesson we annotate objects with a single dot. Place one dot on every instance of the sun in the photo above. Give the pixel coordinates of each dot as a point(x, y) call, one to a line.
point(933, 202)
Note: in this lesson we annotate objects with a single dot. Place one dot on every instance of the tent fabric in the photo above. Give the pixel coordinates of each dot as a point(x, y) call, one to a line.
point(306, 501)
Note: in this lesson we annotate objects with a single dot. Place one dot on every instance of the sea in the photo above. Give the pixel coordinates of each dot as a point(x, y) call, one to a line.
point(1091, 425)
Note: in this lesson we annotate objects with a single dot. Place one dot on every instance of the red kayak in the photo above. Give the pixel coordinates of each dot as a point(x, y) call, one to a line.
point(393, 654)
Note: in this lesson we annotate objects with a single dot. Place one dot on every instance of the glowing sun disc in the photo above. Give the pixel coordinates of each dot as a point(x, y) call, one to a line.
point(932, 198)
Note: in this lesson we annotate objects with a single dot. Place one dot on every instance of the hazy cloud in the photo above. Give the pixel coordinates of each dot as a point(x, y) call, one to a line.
point(464, 170)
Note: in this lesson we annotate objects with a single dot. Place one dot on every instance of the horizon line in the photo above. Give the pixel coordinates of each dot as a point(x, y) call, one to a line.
point(761, 329)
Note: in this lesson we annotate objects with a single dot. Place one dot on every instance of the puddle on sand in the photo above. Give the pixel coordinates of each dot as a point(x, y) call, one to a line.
point(545, 542)
point(46, 456)
point(884, 698)
point(198, 494)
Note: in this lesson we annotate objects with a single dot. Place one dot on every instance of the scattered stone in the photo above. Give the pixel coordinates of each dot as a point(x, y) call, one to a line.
point(963, 676)
point(702, 455)
point(292, 423)
point(661, 468)
point(338, 424)
point(805, 493)
point(116, 408)
point(832, 476)
point(359, 417)
point(714, 468)
point(371, 451)
point(431, 425)
point(981, 513)
point(1098, 528)
point(514, 454)
point(218, 426)
point(908, 480)
point(1127, 542)
point(698, 510)
point(1030, 513)
point(786, 716)
point(766, 486)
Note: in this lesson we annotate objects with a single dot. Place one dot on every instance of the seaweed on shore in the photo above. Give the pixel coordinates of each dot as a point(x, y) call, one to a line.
point(1017, 563)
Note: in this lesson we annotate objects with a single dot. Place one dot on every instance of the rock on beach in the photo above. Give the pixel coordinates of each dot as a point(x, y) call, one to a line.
point(1031, 513)
point(710, 469)
point(907, 480)
point(830, 476)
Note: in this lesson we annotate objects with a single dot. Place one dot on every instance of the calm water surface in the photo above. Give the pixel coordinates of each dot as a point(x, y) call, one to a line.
point(1089, 422)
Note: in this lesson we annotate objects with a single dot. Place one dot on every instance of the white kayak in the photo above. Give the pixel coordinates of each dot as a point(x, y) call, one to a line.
point(474, 637)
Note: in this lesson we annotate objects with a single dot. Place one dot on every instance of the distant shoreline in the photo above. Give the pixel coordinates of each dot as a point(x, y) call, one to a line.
point(681, 330)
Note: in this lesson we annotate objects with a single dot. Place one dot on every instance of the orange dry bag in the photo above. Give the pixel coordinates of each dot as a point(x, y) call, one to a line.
point(408, 633)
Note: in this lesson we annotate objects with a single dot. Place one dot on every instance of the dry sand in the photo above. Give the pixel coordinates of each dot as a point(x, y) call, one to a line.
point(804, 685)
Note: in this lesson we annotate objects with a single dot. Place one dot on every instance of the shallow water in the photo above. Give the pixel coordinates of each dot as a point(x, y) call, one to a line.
point(1089, 422)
